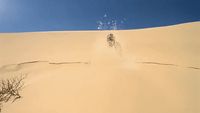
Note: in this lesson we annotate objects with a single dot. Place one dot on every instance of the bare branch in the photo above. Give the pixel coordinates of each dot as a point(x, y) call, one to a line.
point(10, 88)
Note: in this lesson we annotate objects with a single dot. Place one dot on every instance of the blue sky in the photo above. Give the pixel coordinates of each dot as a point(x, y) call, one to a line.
point(57, 15)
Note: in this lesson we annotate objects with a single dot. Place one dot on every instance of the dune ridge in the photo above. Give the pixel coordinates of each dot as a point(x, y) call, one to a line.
point(23, 64)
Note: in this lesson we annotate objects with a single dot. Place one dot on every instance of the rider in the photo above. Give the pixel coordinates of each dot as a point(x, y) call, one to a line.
point(111, 40)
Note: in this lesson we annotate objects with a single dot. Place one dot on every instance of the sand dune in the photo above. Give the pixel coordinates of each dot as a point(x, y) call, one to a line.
point(154, 70)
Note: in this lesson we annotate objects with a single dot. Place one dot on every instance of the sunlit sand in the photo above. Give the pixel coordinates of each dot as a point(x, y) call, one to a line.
point(154, 70)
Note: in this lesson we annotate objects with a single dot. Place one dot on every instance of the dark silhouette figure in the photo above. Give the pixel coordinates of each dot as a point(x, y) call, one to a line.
point(114, 44)
point(111, 40)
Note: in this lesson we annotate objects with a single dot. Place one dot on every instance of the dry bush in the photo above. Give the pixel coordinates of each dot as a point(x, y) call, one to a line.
point(10, 89)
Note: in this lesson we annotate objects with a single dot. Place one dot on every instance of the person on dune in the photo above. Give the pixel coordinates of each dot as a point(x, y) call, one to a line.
point(111, 40)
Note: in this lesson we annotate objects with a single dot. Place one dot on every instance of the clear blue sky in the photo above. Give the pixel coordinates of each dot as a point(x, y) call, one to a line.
point(54, 15)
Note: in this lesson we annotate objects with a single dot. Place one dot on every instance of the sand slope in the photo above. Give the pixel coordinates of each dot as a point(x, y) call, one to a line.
point(153, 70)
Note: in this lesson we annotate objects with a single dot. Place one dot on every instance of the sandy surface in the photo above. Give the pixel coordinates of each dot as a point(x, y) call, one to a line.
point(153, 70)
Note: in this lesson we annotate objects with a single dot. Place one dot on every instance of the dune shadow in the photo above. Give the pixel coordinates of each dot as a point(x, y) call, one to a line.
point(18, 66)
point(168, 64)
point(158, 63)
point(197, 68)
